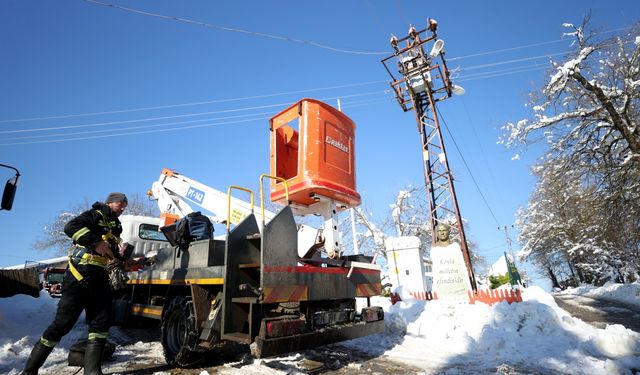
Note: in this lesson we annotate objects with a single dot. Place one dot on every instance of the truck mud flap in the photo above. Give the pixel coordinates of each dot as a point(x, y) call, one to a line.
point(278, 345)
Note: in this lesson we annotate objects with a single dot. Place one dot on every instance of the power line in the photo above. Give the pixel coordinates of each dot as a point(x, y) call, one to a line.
point(137, 127)
point(174, 116)
point(367, 102)
point(514, 61)
point(279, 37)
point(348, 105)
point(482, 76)
point(528, 45)
point(516, 69)
point(530, 58)
point(132, 133)
point(487, 166)
point(464, 78)
point(504, 70)
point(235, 30)
point(467, 167)
point(506, 49)
point(352, 105)
point(476, 76)
point(194, 103)
point(316, 44)
point(401, 11)
point(129, 132)
point(139, 120)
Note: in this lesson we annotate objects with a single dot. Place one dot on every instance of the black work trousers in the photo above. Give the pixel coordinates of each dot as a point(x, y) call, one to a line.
point(92, 294)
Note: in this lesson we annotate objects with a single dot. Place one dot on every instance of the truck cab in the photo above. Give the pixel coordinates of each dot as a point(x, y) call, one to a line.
point(143, 232)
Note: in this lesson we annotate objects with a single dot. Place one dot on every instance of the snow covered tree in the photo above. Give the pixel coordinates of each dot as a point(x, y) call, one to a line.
point(557, 223)
point(54, 238)
point(585, 210)
point(588, 111)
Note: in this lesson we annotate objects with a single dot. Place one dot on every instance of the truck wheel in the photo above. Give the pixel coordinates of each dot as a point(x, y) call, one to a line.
point(179, 333)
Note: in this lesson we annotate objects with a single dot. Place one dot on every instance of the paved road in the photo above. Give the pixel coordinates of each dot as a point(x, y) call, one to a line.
point(600, 312)
point(332, 359)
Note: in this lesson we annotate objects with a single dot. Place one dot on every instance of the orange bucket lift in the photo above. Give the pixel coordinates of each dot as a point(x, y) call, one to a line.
point(312, 149)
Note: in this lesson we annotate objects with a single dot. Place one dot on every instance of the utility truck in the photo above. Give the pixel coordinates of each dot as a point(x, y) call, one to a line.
point(263, 285)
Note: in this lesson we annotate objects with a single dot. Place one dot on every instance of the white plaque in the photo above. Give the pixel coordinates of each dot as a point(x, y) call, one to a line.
point(450, 277)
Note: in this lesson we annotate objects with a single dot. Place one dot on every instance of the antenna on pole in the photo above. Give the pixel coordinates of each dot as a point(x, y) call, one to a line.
point(420, 80)
point(509, 242)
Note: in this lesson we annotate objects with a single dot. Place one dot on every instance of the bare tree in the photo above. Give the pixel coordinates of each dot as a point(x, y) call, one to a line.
point(408, 215)
point(54, 238)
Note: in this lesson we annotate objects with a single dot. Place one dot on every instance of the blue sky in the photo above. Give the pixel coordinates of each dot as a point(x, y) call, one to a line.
point(64, 62)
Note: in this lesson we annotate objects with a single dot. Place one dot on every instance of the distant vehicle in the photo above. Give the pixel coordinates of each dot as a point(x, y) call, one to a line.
point(9, 192)
point(52, 280)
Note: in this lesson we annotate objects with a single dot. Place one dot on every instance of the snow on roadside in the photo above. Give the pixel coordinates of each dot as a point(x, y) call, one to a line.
point(23, 319)
point(627, 293)
point(534, 336)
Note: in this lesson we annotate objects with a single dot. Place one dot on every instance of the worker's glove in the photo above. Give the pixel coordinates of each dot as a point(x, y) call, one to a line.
point(125, 250)
point(104, 248)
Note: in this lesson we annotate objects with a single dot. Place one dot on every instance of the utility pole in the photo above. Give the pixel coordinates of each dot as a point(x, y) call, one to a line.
point(508, 239)
point(514, 275)
point(423, 81)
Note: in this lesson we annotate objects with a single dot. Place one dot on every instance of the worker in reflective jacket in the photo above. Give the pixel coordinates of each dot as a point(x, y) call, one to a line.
point(95, 235)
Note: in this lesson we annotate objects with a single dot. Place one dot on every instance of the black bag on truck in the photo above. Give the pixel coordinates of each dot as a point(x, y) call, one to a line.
point(193, 227)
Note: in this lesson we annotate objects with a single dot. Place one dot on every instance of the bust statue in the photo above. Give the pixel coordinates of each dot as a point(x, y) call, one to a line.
point(450, 278)
point(443, 235)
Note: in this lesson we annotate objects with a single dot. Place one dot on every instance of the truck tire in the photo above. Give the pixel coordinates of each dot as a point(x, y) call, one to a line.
point(179, 334)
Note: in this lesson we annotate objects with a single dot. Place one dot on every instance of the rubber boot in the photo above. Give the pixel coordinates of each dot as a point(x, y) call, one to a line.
point(93, 357)
point(36, 359)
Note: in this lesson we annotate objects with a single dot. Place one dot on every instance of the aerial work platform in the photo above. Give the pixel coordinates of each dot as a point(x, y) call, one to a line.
point(323, 164)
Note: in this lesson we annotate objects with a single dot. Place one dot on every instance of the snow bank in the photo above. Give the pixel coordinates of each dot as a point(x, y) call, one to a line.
point(534, 336)
point(626, 293)
point(23, 319)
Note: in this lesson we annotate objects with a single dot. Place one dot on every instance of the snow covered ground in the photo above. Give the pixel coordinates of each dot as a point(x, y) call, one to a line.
point(532, 337)
point(625, 293)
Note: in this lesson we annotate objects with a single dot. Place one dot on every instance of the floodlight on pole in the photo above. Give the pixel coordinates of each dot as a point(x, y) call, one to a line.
point(458, 90)
point(438, 45)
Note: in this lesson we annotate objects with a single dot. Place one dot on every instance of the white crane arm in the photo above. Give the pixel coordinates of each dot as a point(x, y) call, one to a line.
point(176, 193)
